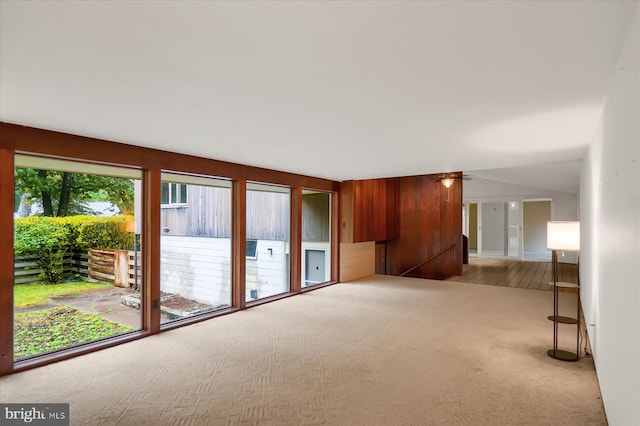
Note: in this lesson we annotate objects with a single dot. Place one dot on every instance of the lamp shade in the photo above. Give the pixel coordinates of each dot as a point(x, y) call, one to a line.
point(563, 236)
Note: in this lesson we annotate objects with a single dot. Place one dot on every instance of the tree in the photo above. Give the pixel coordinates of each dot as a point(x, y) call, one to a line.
point(62, 193)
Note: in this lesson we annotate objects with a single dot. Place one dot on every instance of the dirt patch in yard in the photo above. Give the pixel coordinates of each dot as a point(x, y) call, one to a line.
point(183, 304)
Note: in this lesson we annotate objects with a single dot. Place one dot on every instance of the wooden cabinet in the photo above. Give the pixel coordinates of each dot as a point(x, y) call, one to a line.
point(368, 210)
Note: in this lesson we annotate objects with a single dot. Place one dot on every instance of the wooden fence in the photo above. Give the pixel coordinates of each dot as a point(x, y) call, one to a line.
point(26, 269)
point(134, 269)
point(113, 266)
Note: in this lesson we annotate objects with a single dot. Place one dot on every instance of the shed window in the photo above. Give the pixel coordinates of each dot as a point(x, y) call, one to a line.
point(252, 249)
point(174, 194)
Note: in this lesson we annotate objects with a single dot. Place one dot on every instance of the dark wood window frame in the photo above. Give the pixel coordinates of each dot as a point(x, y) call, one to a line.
point(333, 239)
point(16, 139)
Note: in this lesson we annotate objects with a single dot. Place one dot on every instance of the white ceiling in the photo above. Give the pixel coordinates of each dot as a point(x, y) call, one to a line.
point(558, 177)
point(341, 90)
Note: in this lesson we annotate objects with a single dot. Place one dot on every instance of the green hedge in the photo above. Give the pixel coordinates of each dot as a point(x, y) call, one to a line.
point(48, 239)
point(101, 232)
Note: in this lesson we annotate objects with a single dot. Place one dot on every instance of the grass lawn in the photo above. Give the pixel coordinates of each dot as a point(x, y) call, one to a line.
point(57, 328)
point(37, 293)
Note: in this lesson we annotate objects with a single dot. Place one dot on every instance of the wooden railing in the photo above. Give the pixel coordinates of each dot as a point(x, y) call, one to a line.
point(428, 259)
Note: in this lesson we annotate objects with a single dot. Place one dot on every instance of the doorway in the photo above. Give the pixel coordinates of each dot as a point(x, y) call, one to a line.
point(473, 229)
point(494, 229)
point(493, 225)
point(535, 215)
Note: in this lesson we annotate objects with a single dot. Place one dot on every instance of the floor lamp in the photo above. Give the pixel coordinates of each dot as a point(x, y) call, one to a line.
point(563, 236)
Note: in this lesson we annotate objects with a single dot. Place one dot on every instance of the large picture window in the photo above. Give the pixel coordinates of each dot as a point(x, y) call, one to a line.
point(110, 244)
point(268, 223)
point(195, 248)
point(316, 237)
point(77, 254)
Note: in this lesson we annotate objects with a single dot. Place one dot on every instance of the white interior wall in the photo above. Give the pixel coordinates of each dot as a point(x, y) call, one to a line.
point(564, 205)
point(493, 229)
point(610, 227)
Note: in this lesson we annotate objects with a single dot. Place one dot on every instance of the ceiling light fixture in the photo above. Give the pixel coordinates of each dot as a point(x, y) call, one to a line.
point(447, 182)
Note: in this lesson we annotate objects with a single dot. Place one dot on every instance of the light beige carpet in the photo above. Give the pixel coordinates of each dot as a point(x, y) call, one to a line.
point(380, 351)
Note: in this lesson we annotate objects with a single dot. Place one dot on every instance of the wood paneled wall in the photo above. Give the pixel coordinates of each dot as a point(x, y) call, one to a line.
point(411, 219)
point(430, 218)
point(369, 210)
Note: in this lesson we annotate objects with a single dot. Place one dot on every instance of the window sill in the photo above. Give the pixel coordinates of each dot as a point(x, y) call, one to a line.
point(174, 206)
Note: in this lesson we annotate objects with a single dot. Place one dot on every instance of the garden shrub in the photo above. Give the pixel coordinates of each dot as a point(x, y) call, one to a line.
point(101, 232)
point(48, 239)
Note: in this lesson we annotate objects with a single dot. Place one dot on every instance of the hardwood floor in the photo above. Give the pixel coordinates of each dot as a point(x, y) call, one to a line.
point(515, 273)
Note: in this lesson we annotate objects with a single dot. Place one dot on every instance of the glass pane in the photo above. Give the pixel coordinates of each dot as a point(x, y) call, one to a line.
point(316, 232)
point(165, 194)
point(77, 251)
point(252, 248)
point(173, 193)
point(183, 194)
point(195, 256)
point(268, 223)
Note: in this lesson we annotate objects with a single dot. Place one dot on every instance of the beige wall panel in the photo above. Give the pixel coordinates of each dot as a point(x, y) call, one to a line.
point(357, 260)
